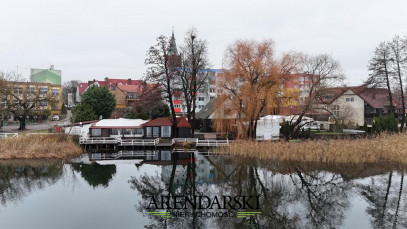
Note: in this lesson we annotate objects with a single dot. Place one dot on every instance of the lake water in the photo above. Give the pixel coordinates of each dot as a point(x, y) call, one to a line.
point(138, 189)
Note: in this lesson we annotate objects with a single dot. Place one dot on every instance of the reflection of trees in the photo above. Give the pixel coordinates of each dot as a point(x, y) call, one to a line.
point(296, 195)
point(324, 196)
point(154, 185)
point(20, 179)
point(384, 196)
point(96, 174)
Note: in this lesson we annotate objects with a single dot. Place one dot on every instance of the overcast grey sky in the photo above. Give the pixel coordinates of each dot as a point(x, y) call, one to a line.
point(89, 39)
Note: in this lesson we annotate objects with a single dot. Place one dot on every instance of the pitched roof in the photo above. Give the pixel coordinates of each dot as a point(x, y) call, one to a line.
point(182, 122)
point(130, 88)
point(82, 87)
point(123, 81)
point(207, 110)
point(119, 123)
point(375, 97)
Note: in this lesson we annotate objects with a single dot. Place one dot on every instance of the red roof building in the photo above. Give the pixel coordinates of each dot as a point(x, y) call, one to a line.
point(162, 127)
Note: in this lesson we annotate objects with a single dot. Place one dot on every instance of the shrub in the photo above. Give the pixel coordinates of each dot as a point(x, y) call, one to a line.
point(83, 112)
point(386, 123)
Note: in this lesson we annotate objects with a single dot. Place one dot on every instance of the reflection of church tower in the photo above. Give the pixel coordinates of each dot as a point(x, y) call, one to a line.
point(173, 57)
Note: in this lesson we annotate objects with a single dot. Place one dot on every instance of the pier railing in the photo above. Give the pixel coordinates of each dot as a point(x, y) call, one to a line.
point(139, 142)
point(8, 135)
point(101, 140)
point(212, 143)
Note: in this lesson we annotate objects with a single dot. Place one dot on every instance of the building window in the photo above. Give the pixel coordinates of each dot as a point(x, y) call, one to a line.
point(155, 132)
point(148, 129)
point(18, 90)
point(201, 90)
point(201, 98)
point(115, 132)
point(166, 131)
point(132, 95)
point(43, 90)
point(43, 103)
point(54, 92)
point(30, 90)
point(351, 99)
point(126, 131)
point(200, 106)
point(212, 90)
point(138, 131)
point(301, 79)
point(212, 97)
point(96, 132)
point(295, 86)
point(335, 109)
point(307, 78)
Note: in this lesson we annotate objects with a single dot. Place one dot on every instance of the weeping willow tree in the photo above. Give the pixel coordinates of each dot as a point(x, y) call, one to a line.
point(250, 86)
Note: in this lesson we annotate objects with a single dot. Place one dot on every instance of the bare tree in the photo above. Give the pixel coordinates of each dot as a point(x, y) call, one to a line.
point(193, 77)
point(161, 69)
point(21, 98)
point(380, 71)
point(324, 73)
point(69, 87)
point(398, 54)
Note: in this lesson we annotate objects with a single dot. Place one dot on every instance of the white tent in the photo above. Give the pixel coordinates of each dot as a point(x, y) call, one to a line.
point(268, 127)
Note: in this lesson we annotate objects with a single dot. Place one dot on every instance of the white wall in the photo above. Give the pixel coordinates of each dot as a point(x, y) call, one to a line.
point(354, 110)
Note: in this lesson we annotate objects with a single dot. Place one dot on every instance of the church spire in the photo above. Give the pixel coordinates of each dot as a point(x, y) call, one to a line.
point(173, 45)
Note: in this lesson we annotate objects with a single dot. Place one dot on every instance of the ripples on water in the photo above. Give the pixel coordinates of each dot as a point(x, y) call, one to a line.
point(113, 190)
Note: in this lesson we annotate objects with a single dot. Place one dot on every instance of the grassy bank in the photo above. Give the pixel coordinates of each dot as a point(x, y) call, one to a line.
point(382, 149)
point(39, 146)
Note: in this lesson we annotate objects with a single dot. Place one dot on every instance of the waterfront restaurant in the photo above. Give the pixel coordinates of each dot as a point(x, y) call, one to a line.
point(122, 127)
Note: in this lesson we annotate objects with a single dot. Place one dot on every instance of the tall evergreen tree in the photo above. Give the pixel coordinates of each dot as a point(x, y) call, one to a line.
point(101, 100)
point(380, 71)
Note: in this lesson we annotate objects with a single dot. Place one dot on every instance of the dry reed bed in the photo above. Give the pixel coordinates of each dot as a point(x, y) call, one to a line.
point(381, 149)
point(39, 146)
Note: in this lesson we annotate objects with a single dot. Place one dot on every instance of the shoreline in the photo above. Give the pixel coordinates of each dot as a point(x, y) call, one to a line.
point(384, 148)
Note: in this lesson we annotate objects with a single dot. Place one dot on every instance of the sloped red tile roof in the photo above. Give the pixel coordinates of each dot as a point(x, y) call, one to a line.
point(82, 88)
point(130, 88)
point(123, 81)
point(182, 122)
point(375, 97)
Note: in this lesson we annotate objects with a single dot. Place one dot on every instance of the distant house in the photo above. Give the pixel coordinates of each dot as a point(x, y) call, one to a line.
point(361, 104)
point(125, 128)
point(206, 116)
point(162, 127)
point(124, 90)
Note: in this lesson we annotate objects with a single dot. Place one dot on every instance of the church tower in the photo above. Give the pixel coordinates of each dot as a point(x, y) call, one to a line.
point(173, 57)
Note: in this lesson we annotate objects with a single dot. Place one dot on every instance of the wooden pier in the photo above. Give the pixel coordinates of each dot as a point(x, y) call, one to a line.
point(124, 143)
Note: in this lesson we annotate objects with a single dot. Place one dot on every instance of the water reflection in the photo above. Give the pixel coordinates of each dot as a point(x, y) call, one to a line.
point(20, 178)
point(291, 195)
point(95, 174)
